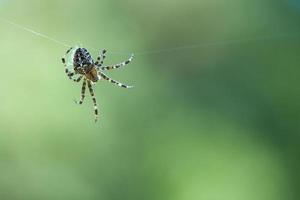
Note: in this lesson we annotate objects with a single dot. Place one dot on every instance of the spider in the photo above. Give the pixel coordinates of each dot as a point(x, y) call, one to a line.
point(90, 71)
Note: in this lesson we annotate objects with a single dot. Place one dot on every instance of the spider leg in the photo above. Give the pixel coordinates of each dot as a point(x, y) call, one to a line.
point(113, 81)
point(82, 92)
point(94, 99)
point(100, 58)
point(69, 74)
point(78, 79)
point(118, 65)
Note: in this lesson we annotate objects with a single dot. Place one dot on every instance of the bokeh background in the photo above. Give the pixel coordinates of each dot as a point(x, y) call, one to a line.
point(215, 119)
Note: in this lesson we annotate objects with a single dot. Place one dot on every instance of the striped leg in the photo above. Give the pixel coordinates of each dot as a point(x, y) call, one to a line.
point(78, 79)
point(100, 58)
point(65, 64)
point(94, 99)
point(69, 74)
point(118, 65)
point(113, 81)
point(82, 92)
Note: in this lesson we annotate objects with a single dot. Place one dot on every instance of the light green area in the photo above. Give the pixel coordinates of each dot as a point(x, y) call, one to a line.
point(216, 122)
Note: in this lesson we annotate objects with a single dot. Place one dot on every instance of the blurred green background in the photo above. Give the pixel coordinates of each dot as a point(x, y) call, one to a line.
point(216, 122)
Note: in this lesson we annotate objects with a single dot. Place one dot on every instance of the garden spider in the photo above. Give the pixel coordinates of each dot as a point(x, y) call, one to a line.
point(90, 71)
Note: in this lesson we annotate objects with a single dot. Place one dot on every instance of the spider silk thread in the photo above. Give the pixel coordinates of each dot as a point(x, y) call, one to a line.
point(157, 51)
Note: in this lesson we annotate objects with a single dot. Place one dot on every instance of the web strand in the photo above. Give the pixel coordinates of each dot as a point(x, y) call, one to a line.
point(34, 32)
point(159, 51)
point(219, 43)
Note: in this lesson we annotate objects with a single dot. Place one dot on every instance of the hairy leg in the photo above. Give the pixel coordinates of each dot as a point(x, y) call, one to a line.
point(113, 81)
point(94, 99)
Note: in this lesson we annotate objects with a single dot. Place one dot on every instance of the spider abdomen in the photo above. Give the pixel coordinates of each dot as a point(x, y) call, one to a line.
point(84, 64)
point(82, 59)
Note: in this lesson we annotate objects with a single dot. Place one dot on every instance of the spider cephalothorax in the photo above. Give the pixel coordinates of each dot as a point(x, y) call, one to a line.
point(85, 67)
